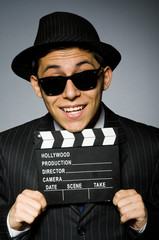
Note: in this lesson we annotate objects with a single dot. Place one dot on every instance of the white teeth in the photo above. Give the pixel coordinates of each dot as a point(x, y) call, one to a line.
point(72, 109)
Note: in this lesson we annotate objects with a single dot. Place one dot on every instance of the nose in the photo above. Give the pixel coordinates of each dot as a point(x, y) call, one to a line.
point(71, 92)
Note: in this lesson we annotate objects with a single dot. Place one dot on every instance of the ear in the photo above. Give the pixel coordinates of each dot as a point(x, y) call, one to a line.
point(107, 77)
point(35, 85)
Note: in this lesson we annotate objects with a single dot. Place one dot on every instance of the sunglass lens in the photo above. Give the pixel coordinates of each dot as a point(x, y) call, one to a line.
point(85, 80)
point(53, 86)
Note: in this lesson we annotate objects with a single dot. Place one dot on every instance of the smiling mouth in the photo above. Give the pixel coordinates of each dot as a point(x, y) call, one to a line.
point(73, 109)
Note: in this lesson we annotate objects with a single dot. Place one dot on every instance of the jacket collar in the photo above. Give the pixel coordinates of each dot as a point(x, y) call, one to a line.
point(113, 120)
point(46, 123)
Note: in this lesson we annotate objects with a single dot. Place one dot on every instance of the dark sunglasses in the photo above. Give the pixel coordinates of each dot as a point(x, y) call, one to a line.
point(84, 81)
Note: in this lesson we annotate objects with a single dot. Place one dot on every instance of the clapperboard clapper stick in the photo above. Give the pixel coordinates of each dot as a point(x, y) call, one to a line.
point(78, 167)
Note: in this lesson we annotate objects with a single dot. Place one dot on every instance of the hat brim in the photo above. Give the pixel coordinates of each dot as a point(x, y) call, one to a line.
point(22, 64)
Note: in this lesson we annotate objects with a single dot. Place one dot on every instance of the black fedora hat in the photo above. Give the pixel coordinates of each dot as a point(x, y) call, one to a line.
point(63, 29)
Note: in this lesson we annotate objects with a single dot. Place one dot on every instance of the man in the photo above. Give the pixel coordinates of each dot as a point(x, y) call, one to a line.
point(69, 68)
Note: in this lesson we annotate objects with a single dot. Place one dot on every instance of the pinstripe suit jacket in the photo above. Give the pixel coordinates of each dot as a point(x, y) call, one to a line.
point(139, 161)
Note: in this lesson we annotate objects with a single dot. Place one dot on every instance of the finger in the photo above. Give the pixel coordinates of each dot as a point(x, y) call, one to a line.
point(134, 214)
point(27, 202)
point(139, 207)
point(123, 194)
point(25, 216)
point(135, 199)
point(37, 197)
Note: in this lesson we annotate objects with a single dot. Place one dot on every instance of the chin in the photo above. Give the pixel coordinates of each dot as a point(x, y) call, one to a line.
point(74, 129)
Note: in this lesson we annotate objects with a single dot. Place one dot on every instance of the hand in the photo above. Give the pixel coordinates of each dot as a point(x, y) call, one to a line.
point(28, 206)
point(131, 208)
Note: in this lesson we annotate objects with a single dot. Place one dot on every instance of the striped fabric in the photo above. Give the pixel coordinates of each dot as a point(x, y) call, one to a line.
point(65, 27)
point(139, 159)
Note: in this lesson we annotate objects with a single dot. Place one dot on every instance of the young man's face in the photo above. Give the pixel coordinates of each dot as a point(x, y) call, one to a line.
point(73, 109)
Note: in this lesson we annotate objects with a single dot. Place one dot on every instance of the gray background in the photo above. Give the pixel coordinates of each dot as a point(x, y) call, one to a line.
point(130, 26)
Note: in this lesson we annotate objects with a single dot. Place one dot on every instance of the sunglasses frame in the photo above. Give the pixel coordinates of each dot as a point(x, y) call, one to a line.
point(75, 78)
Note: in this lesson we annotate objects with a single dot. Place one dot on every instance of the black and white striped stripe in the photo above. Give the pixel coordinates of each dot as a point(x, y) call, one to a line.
point(64, 139)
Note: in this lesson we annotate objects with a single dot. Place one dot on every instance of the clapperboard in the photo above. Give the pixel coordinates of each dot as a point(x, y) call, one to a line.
point(78, 167)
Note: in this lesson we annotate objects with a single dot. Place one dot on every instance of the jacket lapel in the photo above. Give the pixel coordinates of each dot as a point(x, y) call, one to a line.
point(113, 120)
point(46, 123)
